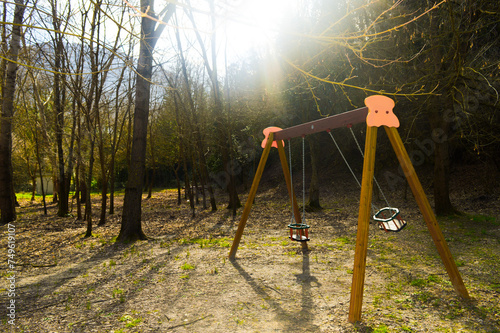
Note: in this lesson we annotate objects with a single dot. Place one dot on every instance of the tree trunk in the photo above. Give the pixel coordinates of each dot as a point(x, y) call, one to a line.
point(151, 173)
point(195, 181)
point(39, 161)
point(103, 164)
point(79, 168)
point(187, 183)
point(104, 198)
point(112, 186)
point(439, 126)
point(441, 178)
point(33, 188)
point(313, 203)
point(7, 197)
point(88, 203)
point(131, 227)
point(115, 144)
point(178, 181)
point(77, 195)
point(59, 102)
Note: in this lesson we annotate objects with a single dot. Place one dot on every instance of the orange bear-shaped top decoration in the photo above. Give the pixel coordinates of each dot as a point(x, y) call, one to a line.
point(380, 111)
point(266, 132)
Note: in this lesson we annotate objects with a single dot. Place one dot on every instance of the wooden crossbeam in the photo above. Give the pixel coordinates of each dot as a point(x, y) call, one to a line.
point(320, 125)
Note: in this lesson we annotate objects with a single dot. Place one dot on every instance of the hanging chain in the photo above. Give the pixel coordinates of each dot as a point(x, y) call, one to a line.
point(374, 209)
point(291, 178)
point(345, 160)
point(303, 180)
point(374, 179)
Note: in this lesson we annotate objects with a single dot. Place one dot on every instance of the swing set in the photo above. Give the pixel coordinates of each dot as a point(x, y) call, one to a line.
point(377, 112)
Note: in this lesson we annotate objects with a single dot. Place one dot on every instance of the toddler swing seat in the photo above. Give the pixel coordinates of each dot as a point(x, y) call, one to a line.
point(299, 232)
point(389, 219)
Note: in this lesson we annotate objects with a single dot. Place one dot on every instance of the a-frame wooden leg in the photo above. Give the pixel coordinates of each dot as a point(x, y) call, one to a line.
point(293, 198)
point(425, 208)
point(358, 277)
point(251, 197)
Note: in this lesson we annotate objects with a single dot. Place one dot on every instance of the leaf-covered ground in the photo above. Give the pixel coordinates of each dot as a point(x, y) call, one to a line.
point(180, 280)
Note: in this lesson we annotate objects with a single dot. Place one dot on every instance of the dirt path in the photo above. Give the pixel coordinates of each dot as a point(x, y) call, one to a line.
point(181, 280)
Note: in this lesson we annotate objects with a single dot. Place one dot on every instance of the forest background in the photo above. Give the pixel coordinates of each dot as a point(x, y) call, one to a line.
point(112, 95)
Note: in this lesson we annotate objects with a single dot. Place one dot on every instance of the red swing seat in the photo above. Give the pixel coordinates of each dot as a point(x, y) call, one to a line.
point(299, 232)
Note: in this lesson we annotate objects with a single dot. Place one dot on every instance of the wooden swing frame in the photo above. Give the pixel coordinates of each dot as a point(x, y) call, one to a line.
point(336, 121)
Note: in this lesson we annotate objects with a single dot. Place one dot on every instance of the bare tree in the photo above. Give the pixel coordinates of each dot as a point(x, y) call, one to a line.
point(222, 126)
point(105, 64)
point(59, 67)
point(7, 196)
point(151, 29)
point(200, 144)
point(118, 129)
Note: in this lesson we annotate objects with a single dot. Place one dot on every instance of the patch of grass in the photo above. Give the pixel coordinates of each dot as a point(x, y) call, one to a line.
point(418, 282)
point(134, 250)
point(377, 301)
point(138, 281)
point(120, 292)
point(156, 268)
point(483, 218)
point(207, 243)
point(424, 282)
point(425, 297)
point(187, 266)
point(455, 310)
point(251, 245)
point(343, 240)
point(433, 278)
point(67, 303)
point(130, 321)
point(393, 287)
point(381, 329)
